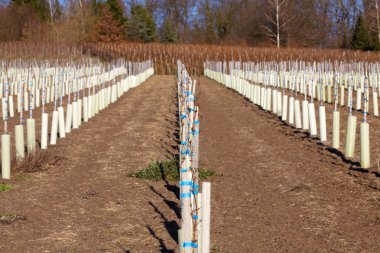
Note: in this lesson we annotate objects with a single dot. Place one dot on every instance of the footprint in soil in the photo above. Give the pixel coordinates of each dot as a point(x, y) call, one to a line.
point(298, 188)
point(89, 195)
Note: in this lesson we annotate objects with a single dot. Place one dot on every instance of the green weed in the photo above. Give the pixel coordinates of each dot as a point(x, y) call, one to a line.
point(166, 170)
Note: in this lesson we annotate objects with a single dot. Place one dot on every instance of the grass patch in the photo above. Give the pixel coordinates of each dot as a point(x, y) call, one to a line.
point(4, 187)
point(159, 170)
point(10, 217)
point(166, 170)
point(205, 173)
point(215, 248)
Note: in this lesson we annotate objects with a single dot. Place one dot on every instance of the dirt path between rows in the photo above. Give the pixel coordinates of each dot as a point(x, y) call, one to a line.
point(87, 203)
point(280, 191)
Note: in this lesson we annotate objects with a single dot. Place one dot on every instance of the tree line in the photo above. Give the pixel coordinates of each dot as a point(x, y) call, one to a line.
point(313, 23)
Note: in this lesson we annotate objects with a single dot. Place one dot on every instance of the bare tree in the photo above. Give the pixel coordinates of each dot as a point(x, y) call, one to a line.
point(179, 12)
point(344, 13)
point(372, 13)
point(51, 11)
point(276, 20)
point(323, 23)
point(377, 19)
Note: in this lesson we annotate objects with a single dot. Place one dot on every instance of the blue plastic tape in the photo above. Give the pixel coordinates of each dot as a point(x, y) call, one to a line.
point(185, 183)
point(190, 244)
point(185, 152)
point(186, 195)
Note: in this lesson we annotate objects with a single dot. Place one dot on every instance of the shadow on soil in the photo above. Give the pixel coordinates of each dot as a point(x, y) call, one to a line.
point(171, 226)
point(354, 166)
point(163, 247)
point(171, 204)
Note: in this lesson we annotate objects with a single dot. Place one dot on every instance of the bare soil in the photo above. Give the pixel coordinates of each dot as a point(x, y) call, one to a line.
point(86, 202)
point(281, 191)
point(277, 189)
point(374, 124)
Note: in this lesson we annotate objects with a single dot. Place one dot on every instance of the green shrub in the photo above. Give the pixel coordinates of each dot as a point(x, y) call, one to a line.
point(166, 170)
point(4, 187)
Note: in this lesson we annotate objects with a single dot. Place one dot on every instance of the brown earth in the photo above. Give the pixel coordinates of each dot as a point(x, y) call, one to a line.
point(277, 189)
point(374, 123)
point(87, 203)
point(281, 191)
